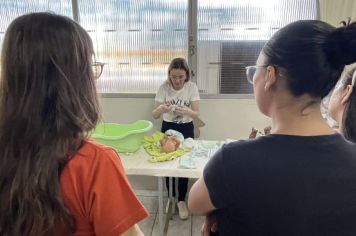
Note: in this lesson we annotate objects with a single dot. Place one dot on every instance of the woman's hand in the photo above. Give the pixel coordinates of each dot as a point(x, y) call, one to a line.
point(210, 225)
point(161, 108)
point(192, 111)
point(164, 108)
point(183, 110)
point(253, 133)
point(267, 130)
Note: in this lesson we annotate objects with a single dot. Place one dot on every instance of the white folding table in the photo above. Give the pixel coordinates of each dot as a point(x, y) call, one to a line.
point(138, 164)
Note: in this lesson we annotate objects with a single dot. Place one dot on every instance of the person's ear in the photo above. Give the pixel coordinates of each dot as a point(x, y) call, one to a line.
point(271, 75)
point(345, 95)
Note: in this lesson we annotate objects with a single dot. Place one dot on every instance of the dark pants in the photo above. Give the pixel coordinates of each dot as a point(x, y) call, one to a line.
point(187, 129)
point(182, 187)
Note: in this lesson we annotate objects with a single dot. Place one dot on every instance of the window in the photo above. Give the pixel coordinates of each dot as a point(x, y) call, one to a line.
point(10, 9)
point(138, 39)
point(231, 34)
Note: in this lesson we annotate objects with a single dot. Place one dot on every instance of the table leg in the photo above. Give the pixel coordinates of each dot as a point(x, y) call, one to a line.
point(160, 205)
point(170, 206)
point(170, 188)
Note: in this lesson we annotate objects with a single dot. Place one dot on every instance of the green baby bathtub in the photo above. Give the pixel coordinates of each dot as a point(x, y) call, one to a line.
point(123, 137)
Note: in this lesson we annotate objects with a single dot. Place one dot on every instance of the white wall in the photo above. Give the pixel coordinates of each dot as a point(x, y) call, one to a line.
point(224, 118)
point(333, 11)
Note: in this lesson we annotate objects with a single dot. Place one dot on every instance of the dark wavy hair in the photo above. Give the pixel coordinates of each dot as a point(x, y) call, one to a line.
point(48, 104)
point(312, 54)
point(349, 116)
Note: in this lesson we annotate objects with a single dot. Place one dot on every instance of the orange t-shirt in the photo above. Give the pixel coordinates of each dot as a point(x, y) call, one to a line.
point(97, 192)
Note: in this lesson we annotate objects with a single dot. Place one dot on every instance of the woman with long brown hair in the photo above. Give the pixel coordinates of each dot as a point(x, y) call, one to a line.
point(53, 180)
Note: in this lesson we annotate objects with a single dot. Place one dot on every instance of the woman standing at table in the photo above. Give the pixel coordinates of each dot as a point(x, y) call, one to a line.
point(177, 100)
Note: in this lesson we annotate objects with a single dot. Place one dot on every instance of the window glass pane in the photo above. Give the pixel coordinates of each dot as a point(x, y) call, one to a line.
point(136, 40)
point(10, 9)
point(232, 32)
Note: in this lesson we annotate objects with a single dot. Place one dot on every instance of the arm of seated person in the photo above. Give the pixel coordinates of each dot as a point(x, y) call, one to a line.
point(133, 231)
point(199, 202)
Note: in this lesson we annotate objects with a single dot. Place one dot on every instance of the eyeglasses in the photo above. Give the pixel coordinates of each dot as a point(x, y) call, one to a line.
point(97, 69)
point(180, 77)
point(250, 72)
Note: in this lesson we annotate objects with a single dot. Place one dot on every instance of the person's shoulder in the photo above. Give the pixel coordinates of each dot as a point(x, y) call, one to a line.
point(165, 85)
point(191, 88)
point(91, 147)
point(243, 144)
point(84, 166)
point(91, 153)
point(191, 84)
point(347, 144)
point(248, 148)
point(235, 156)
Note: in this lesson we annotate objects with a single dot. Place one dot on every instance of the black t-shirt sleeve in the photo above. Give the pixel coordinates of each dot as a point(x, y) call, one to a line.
point(216, 181)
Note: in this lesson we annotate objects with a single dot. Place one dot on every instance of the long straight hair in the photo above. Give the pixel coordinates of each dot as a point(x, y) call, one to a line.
point(48, 103)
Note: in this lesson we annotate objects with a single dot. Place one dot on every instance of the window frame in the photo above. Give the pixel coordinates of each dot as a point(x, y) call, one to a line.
point(192, 55)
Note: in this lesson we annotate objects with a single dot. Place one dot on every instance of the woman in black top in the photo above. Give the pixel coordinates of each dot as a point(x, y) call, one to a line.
point(300, 179)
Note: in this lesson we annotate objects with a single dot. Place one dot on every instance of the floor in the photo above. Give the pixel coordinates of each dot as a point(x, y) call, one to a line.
point(177, 227)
